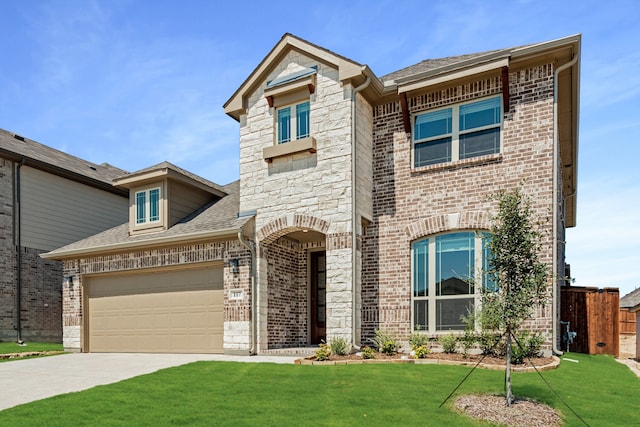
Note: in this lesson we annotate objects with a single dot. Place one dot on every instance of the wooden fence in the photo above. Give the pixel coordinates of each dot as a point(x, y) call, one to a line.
point(594, 314)
point(627, 322)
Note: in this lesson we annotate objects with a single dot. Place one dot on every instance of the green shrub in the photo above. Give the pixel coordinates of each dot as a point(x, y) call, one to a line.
point(418, 340)
point(340, 346)
point(489, 342)
point(469, 338)
point(448, 343)
point(421, 351)
point(368, 353)
point(527, 345)
point(385, 343)
point(323, 352)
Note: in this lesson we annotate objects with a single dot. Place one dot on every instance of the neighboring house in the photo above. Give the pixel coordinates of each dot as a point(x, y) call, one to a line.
point(362, 204)
point(627, 316)
point(48, 199)
point(636, 310)
point(630, 300)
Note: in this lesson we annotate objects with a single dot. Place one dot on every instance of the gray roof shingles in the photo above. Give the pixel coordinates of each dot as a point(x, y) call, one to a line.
point(631, 299)
point(55, 161)
point(171, 166)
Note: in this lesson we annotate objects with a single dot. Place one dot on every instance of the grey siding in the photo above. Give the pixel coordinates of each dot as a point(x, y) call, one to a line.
point(57, 211)
point(184, 200)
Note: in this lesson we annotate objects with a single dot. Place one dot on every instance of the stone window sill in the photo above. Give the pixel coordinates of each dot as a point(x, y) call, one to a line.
point(288, 148)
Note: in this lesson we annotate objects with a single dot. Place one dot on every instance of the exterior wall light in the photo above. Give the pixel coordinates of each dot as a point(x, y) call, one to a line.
point(235, 265)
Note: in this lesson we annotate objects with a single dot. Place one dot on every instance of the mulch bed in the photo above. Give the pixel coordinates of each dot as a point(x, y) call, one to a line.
point(522, 412)
point(490, 362)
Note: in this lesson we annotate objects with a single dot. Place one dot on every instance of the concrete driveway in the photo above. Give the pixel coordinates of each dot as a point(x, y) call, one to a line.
point(24, 381)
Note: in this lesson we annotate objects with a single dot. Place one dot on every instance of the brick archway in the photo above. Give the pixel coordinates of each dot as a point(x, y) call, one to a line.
point(289, 223)
point(471, 220)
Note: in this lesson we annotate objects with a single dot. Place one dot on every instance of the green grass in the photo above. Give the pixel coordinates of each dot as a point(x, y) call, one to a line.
point(12, 347)
point(602, 391)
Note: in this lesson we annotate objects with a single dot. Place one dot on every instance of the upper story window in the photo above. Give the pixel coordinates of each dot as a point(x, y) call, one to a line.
point(292, 122)
point(147, 206)
point(444, 288)
point(460, 132)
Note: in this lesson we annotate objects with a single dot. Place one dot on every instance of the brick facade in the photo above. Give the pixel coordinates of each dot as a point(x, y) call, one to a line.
point(413, 203)
point(41, 294)
point(237, 312)
point(287, 319)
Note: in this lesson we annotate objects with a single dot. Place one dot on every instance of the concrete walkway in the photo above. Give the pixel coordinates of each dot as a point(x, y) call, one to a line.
point(24, 381)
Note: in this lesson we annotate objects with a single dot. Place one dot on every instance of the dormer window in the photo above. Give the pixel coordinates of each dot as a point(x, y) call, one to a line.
point(147, 206)
point(292, 122)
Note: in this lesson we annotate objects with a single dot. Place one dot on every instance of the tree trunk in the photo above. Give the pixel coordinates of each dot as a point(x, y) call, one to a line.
point(508, 370)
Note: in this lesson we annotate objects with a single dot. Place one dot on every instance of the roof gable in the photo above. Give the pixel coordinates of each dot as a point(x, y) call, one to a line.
point(347, 69)
point(168, 170)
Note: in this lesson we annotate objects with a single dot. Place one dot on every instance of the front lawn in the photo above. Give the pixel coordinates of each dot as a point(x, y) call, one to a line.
point(602, 391)
point(13, 347)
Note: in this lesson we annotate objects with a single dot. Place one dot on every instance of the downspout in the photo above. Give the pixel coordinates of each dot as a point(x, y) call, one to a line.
point(556, 155)
point(252, 274)
point(354, 225)
point(17, 241)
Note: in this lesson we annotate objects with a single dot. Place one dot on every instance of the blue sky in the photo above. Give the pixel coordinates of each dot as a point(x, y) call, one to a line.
point(133, 83)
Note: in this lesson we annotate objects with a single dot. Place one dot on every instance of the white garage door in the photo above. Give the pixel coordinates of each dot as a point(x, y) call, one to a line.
point(161, 312)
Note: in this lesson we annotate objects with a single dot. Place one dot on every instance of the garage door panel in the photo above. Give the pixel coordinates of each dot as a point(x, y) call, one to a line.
point(174, 311)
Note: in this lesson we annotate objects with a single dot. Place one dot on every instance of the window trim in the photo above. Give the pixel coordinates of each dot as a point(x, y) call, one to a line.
point(147, 221)
point(294, 127)
point(432, 297)
point(455, 133)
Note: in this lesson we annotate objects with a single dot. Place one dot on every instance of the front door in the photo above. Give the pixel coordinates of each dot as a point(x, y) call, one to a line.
point(318, 297)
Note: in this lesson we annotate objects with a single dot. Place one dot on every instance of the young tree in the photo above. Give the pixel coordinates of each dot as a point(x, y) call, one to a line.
point(519, 278)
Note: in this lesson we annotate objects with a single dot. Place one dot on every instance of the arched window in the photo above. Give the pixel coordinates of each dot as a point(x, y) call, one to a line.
point(446, 287)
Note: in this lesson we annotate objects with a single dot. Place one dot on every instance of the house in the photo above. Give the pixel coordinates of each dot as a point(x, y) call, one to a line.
point(49, 199)
point(636, 310)
point(362, 204)
point(629, 308)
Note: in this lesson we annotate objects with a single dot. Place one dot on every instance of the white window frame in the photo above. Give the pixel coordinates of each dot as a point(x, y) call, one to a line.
point(455, 131)
point(293, 122)
point(431, 297)
point(147, 207)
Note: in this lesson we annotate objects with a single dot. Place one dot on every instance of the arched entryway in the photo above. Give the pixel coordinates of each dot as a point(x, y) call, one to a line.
point(293, 281)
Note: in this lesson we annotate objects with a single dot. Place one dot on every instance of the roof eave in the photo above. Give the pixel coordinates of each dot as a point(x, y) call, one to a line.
point(62, 172)
point(61, 254)
point(135, 179)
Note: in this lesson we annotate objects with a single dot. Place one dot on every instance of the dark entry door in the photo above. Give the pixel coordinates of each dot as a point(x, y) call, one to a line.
point(318, 297)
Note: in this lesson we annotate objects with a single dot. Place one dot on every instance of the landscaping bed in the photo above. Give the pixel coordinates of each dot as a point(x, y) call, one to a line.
point(489, 362)
point(26, 354)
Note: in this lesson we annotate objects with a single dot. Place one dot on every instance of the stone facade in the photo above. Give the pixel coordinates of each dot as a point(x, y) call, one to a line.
point(307, 185)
